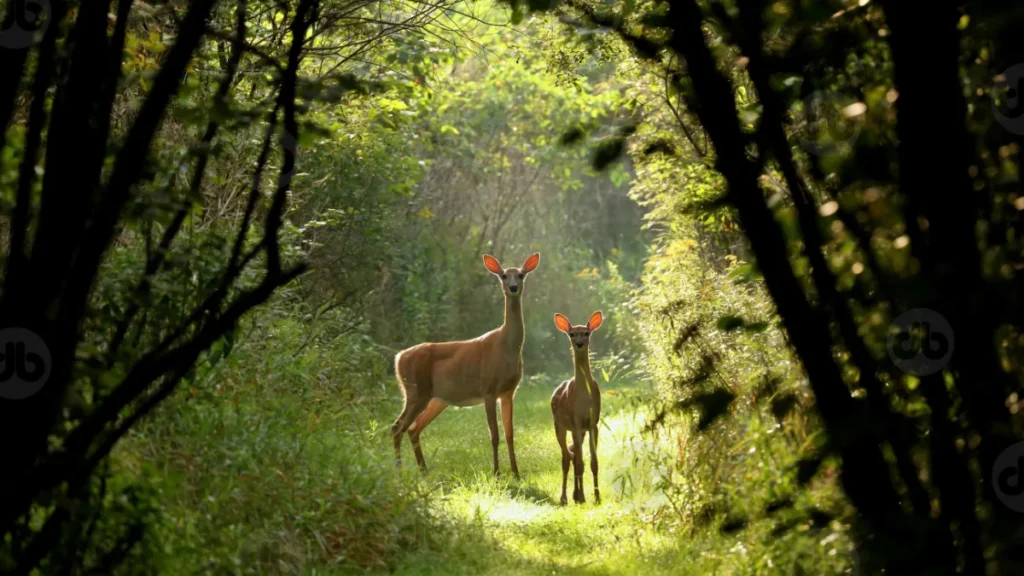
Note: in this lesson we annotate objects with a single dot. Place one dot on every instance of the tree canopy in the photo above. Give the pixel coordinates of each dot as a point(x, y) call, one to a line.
point(222, 220)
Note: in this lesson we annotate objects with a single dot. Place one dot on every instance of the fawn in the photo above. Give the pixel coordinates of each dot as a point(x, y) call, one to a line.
point(576, 406)
point(464, 373)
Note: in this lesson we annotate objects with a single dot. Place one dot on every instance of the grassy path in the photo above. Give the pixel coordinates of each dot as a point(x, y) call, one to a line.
point(286, 468)
point(281, 477)
point(518, 527)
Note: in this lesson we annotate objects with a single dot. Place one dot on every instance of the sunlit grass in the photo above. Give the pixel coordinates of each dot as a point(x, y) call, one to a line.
point(506, 526)
point(518, 526)
point(286, 479)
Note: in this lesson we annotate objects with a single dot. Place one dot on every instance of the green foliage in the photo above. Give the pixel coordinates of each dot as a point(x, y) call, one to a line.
point(267, 461)
point(422, 147)
point(731, 390)
point(264, 459)
point(488, 175)
point(727, 383)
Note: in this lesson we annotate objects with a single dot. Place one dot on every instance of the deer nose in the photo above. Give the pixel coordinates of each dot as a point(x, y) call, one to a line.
point(579, 343)
point(513, 287)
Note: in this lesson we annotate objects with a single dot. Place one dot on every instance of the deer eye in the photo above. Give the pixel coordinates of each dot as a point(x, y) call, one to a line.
point(504, 276)
point(586, 333)
point(520, 276)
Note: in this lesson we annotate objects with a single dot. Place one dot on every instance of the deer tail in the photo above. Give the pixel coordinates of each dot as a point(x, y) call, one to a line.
point(398, 372)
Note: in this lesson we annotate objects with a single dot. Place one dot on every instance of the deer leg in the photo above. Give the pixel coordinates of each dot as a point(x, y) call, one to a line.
point(434, 407)
point(413, 406)
point(396, 436)
point(577, 465)
point(593, 463)
point(506, 420)
point(491, 405)
point(560, 434)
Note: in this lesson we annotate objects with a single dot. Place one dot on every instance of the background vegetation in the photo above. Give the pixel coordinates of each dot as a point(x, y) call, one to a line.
point(224, 219)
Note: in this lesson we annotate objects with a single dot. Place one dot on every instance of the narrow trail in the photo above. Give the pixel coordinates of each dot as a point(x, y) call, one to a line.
point(518, 527)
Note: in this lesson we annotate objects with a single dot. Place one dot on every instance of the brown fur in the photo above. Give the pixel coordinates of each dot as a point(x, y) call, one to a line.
point(484, 370)
point(577, 408)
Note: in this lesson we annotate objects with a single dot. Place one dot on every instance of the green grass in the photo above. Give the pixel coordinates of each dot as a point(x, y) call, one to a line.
point(282, 465)
point(507, 526)
point(518, 526)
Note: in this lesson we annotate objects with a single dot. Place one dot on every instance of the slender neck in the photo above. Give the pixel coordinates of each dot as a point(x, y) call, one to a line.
point(512, 327)
point(581, 362)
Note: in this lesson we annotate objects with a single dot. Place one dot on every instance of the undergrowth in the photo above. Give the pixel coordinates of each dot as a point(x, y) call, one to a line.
point(268, 463)
point(277, 462)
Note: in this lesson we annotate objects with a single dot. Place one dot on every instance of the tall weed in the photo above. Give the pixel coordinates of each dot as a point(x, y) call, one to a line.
point(269, 462)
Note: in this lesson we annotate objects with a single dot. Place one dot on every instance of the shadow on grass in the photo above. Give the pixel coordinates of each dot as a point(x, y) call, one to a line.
point(530, 493)
point(472, 552)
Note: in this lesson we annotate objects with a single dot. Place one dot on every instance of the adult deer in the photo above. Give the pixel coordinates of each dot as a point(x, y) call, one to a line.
point(576, 406)
point(484, 370)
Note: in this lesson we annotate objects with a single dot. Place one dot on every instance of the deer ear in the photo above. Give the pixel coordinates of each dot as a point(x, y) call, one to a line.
point(562, 323)
point(531, 263)
point(595, 321)
point(492, 264)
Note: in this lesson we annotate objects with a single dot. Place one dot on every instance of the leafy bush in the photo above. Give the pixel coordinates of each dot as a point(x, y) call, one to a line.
point(267, 462)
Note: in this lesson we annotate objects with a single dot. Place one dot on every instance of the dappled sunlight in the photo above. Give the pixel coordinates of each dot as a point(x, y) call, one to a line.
point(498, 507)
point(520, 523)
point(512, 512)
point(250, 245)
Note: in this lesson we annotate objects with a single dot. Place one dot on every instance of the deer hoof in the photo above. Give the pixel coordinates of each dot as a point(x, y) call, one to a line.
point(578, 498)
point(564, 500)
point(597, 496)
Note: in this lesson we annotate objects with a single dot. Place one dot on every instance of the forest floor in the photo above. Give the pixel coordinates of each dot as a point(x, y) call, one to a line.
point(286, 468)
point(519, 527)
